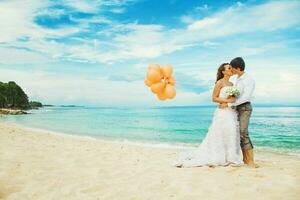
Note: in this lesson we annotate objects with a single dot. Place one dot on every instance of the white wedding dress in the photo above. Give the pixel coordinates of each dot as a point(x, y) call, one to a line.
point(221, 146)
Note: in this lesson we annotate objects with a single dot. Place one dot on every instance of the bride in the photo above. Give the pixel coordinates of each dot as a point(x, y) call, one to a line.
point(221, 146)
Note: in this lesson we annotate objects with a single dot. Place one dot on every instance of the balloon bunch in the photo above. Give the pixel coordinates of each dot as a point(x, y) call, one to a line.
point(161, 81)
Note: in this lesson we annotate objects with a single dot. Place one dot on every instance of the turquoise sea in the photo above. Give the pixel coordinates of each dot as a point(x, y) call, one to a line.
point(275, 128)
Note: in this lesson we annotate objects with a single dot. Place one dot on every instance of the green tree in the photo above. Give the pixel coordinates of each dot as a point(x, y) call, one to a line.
point(13, 96)
point(3, 96)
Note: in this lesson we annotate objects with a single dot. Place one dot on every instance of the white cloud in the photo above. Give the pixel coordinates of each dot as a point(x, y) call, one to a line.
point(16, 19)
point(130, 43)
point(118, 10)
point(61, 88)
point(187, 19)
point(93, 6)
point(143, 41)
point(259, 50)
point(82, 5)
point(17, 22)
point(204, 7)
point(277, 80)
point(20, 56)
point(127, 41)
point(204, 23)
point(270, 16)
point(280, 87)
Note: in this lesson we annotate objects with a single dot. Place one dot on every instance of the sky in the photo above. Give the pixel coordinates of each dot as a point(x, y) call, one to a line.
point(96, 52)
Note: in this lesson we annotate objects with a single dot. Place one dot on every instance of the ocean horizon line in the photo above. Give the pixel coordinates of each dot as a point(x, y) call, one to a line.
point(171, 106)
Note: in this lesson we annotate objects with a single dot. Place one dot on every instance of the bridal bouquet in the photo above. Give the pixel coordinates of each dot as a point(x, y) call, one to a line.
point(232, 92)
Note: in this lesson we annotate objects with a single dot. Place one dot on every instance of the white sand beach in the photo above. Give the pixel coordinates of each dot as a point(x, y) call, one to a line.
point(39, 165)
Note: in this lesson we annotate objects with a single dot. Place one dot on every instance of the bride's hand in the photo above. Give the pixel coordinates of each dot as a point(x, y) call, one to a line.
point(231, 99)
point(223, 105)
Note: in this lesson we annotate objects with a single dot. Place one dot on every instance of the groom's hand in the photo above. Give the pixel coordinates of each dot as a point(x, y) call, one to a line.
point(231, 99)
point(223, 105)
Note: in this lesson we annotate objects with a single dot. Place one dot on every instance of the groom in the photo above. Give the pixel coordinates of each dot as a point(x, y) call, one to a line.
point(246, 84)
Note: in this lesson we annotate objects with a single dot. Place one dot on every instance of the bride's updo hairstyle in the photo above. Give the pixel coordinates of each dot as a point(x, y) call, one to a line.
point(220, 74)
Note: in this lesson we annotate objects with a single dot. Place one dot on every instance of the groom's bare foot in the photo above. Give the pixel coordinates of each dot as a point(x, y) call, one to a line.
point(252, 165)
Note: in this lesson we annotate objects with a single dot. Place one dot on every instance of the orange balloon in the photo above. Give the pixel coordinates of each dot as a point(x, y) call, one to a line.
point(158, 68)
point(161, 73)
point(162, 95)
point(147, 82)
point(154, 66)
point(172, 80)
point(153, 75)
point(170, 91)
point(168, 70)
point(161, 81)
point(158, 87)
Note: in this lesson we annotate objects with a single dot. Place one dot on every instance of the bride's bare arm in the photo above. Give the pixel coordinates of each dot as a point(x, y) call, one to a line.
point(216, 93)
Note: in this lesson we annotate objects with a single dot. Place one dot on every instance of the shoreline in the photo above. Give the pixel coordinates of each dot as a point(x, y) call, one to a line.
point(175, 146)
point(104, 140)
point(41, 165)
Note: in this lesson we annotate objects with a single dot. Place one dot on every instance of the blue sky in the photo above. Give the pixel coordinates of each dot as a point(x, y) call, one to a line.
point(96, 52)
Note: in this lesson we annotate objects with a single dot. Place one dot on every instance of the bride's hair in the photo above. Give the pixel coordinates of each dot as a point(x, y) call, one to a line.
point(220, 74)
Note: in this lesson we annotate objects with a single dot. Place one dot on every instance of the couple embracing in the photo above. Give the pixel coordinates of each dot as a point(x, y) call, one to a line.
point(227, 141)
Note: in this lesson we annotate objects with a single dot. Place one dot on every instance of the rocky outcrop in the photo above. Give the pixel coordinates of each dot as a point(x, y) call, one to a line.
point(12, 111)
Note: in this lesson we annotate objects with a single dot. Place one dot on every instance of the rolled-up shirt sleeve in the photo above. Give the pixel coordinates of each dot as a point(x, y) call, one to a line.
point(246, 96)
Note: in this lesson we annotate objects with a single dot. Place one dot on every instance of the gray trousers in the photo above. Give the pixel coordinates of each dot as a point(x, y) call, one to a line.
point(244, 113)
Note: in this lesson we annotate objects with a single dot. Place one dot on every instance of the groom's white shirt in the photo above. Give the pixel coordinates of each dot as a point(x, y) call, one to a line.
point(246, 86)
